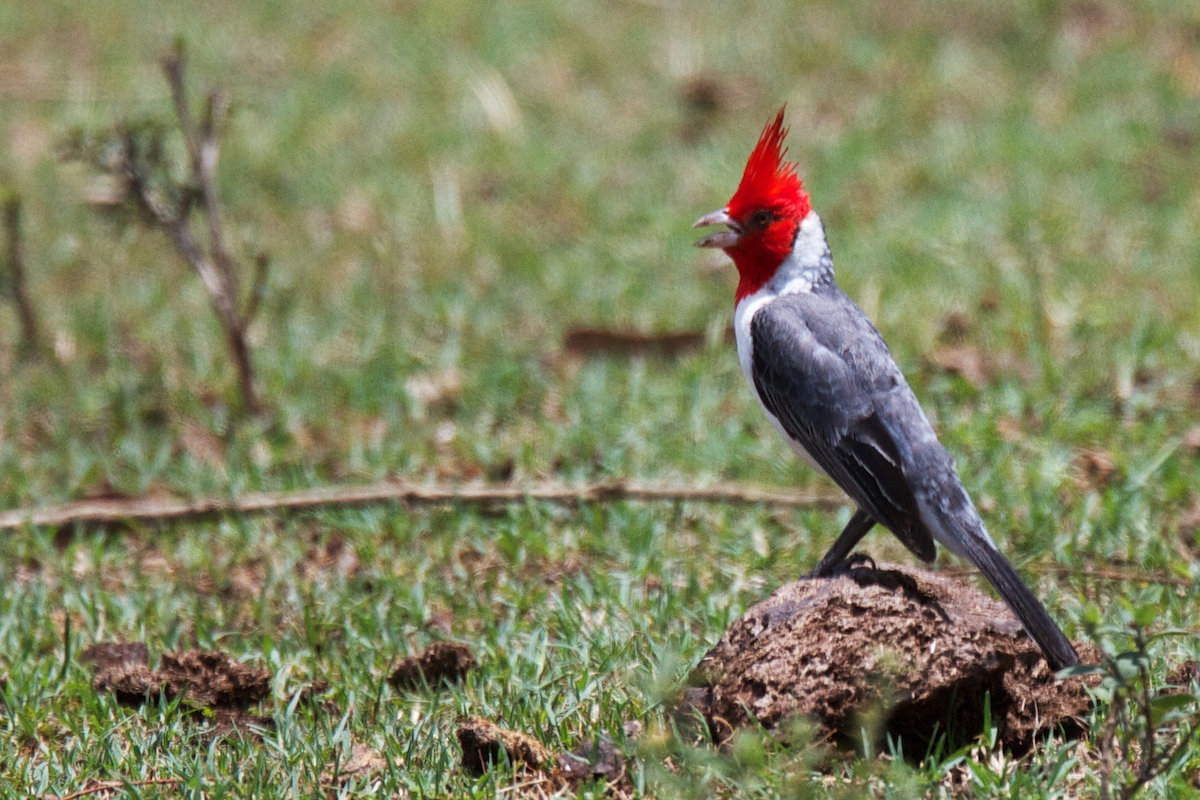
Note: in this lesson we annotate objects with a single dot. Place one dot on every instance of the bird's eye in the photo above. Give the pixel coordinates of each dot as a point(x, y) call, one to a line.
point(761, 219)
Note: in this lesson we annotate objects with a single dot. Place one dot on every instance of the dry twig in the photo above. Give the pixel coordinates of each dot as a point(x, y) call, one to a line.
point(15, 285)
point(114, 786)
point(134, 153)
point(157, 510)
point(1145, 722)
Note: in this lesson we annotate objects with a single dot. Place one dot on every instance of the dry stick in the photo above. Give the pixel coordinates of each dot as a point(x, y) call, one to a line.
point(163, 510)
point(112, 786)
point(16, 266)
point(216, 268)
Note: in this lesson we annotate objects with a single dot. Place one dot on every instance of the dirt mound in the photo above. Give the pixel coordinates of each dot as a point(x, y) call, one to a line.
point(482, 740)
point(208, 678)
point(447, 662)
point(545, 772)
point(921, 650)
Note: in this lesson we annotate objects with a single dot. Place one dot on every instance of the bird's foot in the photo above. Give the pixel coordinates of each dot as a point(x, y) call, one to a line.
point(829, 569)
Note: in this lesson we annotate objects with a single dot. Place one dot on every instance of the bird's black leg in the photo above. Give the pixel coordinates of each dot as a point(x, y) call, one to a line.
point(850, 536)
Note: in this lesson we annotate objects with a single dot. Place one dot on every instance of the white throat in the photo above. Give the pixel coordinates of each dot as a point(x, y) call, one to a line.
point(808, 264)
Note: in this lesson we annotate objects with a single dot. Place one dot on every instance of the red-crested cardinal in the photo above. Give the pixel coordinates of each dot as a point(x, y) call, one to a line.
point(829, 385)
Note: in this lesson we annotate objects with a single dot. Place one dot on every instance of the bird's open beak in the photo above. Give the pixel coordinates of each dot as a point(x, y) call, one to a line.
point(720, 239)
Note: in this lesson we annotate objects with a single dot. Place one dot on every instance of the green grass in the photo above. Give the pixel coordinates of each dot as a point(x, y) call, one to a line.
point(445, 189)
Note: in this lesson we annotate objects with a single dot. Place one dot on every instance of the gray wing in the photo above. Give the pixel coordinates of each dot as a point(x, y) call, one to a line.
point(820, 366)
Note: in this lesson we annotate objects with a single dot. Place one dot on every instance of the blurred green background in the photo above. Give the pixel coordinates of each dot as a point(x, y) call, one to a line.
point(1010, 190)
point(445, 189)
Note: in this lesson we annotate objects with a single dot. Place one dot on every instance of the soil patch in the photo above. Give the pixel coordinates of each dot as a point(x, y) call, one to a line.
point(204, 678)
point(919, 650)
point(214, 687)
point(361, 766)
point(545, 773)
point(447, 662)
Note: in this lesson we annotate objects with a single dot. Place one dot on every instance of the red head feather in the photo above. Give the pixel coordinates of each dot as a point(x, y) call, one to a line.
point(769, 184)
point(769, 181)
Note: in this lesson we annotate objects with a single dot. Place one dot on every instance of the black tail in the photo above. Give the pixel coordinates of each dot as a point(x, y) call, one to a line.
point(1033, 615)
point(951, 517)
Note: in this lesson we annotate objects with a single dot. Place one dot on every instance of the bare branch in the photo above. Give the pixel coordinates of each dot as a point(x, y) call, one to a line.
point(174, 64)
point(262, 265)
point(106, 787)
point(1090, 574)
point(16, 267)
point(205, 176)
point(153, 510)
point(137, 159)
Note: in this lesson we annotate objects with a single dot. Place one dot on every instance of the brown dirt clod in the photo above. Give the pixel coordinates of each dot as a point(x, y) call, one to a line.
point(482, 740)
point(441, 661)
point(363, 762)
point(206, 678)
point(921, 649)
point(594, 760)
point(1184, 674)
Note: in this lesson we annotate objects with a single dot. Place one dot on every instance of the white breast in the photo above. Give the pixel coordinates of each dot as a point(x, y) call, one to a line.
point(794, 275)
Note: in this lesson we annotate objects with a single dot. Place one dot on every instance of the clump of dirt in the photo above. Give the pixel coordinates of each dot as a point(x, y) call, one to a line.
point(364, 762)
point(1181, 676)
point(205, 678)
point(482, 741)
point(208, 680)
point(599, 759)
point(594, 760)
point(447, 662)
point(919, 648)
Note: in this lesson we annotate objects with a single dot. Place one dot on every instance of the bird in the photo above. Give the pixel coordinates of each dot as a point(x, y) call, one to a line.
point(829, 385)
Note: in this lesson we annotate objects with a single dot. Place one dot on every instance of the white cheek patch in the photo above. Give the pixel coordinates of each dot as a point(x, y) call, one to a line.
point(811, 249)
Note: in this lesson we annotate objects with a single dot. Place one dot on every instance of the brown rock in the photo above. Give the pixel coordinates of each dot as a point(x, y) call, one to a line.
point(920, 649)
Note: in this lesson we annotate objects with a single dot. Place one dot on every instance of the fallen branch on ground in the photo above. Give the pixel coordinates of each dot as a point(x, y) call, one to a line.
point(101, 787)
point(157, 510)
point(151, 509)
